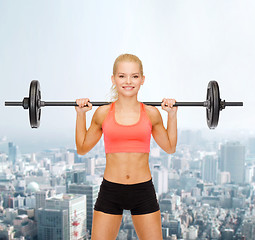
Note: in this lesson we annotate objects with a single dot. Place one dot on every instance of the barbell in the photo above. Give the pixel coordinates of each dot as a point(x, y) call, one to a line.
point(213, 104)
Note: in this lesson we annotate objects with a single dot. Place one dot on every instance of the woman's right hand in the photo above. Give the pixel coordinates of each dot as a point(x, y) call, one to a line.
point(82, 102)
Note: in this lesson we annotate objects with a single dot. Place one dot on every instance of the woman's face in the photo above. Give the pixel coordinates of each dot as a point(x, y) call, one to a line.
point(128, 78)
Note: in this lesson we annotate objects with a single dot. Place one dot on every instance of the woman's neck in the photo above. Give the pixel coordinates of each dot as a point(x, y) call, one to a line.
point(127, 103)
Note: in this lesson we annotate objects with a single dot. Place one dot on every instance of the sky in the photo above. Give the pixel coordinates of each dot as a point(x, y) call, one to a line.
point(70, 47)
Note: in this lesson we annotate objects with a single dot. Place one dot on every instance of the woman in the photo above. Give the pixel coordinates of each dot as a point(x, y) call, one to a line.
point(127, 126)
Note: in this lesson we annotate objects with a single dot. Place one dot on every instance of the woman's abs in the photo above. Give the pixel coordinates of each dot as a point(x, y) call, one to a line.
point(127, 168)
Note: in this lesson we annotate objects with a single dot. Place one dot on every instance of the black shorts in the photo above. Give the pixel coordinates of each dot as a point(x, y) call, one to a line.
point(139, 198)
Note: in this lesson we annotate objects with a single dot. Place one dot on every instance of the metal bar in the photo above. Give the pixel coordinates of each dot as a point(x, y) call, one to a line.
point(60, 104)
point(182, 104)
point(233, 103)
point(194, 104)
point(13, 103)
point(177, 104)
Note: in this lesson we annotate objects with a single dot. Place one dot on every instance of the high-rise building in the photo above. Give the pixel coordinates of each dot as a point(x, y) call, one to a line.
point(209, 168)
point(77, 214)
point(52, 224)
point(179, 163)
point(165, 233)
point(167, 204)
point(223, 177)
point(248, 228)
point(90, 166)
point(251, 146)
point(68, 158)
point(91, 192)
point(160, 179)
point(232, 157)
point(174, 227)
point(13, 153)
point(75, 176)
point(227, 234)
point(40, 198)
point(63, 217)
point(249, 173)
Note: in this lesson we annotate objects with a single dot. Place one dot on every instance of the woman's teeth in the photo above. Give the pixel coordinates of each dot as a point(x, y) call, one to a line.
point(128, 88)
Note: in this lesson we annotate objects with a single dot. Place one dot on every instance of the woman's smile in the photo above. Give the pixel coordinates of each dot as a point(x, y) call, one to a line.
point(128, 88)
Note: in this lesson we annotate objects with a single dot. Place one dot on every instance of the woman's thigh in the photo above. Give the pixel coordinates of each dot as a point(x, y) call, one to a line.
point(105, 226)
point(148, 226)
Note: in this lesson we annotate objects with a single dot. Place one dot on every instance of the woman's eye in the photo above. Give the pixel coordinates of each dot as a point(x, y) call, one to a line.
point(121, 76)
point(136, 76)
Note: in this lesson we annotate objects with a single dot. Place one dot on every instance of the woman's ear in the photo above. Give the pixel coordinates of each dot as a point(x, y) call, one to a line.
point(113, 80)
point(143, 78)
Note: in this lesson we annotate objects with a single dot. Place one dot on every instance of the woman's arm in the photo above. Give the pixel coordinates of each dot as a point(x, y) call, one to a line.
point(172, 131)
point(165, 138)
point(86, 139)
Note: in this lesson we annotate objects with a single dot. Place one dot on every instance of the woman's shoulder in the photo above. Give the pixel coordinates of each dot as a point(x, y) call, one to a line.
point(153, 113)
point(101, 112)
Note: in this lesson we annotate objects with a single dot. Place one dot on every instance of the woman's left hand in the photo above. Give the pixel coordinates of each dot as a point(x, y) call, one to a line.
point(169, 102)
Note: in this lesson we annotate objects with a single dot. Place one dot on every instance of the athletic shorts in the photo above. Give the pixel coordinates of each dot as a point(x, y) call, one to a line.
point(139, 198)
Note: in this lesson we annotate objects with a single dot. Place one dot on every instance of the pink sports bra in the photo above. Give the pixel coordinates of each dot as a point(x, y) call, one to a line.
point(127, 138)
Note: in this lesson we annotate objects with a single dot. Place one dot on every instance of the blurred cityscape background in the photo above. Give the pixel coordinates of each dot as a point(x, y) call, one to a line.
point(206, 190)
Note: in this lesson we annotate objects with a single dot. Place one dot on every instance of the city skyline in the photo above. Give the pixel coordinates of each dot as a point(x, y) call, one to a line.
point(36, 144)
point(197, 194)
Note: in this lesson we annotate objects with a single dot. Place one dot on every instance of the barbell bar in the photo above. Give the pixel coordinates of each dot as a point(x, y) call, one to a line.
point(213, 104)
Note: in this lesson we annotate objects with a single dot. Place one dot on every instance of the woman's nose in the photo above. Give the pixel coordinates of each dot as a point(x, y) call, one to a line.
point(129, 79)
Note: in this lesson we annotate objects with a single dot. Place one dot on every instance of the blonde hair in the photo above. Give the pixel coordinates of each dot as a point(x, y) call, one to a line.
point(123, 58)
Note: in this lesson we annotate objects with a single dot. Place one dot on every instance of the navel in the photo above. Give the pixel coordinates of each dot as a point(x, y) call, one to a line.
point(127, 177)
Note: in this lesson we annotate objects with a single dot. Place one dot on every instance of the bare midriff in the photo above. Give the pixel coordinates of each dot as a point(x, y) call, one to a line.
point(127, 168)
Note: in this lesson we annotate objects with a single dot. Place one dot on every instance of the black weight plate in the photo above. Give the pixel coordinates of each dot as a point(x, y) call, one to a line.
point(34, 109)
point(213, 110)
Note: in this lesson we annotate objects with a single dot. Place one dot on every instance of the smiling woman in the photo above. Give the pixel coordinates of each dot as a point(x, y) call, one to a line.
point(127, 126)
point(123, 58)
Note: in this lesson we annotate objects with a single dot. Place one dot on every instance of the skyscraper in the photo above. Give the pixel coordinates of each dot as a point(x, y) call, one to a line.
point(90, 166)
point(251, 146)
point(41, 196)
point(223, 177)
point(52, 224)
point(209, 168)
point(91, 192)
point(232, 157)
point(75, 176)
point(13, 153)
point(248, 227)
point(54, 214)
point(160, 179)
